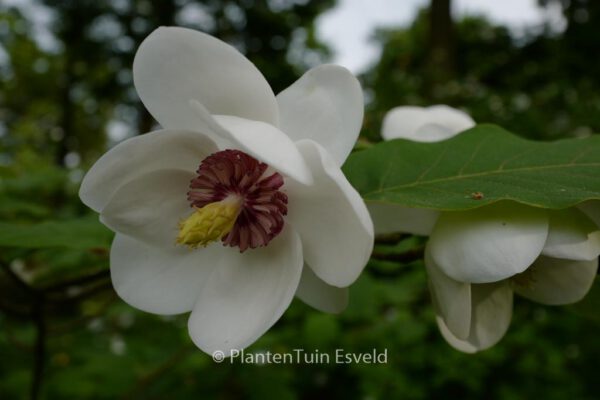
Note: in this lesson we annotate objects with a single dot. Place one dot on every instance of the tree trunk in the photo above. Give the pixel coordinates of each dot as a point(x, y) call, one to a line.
point(66, 120)
point(442, 45)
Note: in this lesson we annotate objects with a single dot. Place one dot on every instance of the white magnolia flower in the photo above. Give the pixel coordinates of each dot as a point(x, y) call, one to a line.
point(476, 259)
point(224, 170)
point(424, 124)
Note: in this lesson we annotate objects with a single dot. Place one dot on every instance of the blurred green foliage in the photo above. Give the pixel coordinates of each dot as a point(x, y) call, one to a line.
point(541, 84)
point(64, 100)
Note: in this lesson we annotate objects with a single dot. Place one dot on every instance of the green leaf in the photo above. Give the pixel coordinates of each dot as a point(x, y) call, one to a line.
point(480, 166)
point(82, 233)
point(14, 206)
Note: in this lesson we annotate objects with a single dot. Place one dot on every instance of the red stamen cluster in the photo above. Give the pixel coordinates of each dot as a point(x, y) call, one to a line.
point(234, 173)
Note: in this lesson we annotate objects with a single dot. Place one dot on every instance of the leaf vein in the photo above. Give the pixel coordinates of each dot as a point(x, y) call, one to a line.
point(419, 182)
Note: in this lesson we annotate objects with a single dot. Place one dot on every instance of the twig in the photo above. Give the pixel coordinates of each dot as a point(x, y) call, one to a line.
point(406, 257)
point(84, 294)
point(81, 280)
point(391, 238)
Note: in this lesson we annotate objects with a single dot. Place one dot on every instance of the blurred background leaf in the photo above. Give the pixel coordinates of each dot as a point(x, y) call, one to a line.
point(82, 233)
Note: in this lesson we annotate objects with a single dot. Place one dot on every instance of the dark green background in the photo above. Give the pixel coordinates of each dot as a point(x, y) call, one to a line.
point(61, 322)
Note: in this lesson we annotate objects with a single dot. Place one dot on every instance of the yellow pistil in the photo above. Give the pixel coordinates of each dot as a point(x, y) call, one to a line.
point(209, 223)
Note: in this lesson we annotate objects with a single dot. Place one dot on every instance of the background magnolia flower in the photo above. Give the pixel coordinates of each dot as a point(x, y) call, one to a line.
point(477, 258)
point(424, 124)
point(223, 169)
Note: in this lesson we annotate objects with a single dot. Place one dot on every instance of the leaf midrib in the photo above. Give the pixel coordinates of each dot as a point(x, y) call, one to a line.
point(479, 174)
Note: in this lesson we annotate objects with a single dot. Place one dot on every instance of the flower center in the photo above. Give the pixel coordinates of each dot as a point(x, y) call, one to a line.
point(236, 199)
point(209, 223)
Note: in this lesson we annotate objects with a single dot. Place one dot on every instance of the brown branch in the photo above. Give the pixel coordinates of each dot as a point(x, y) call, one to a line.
point(80, 280)
point(406, 257)
point(90, 291)
point(391, 238)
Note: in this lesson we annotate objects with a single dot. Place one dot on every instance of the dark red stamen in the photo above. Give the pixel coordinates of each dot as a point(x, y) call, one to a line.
point(232, 172)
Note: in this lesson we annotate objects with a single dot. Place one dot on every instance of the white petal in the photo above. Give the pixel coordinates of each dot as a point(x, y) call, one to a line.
point(572, 235)
point(403, 122)
point(491, 315)
point(267, 144)
point(450, 118)
point(150, 207)
point(421, 124)
point(331, 218)
point(325, 105)
point(157, 280)
point(175, 65)
point(458, 344)
point(451, 298)
point(591, 208)
point(490, 243)
point(247, 293)
point(556, 282)
point(432, 132)
point(318, 294)
point(391, 218)
point(153, 151)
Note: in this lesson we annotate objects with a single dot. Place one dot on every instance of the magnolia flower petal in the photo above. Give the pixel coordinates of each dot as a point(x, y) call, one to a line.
point(246, 294)
point(458, 344)
point(331, 218)
point(451, 298)
point(490, 243)
point(175, 65)
point(316, 293)
point(491, 315)
point(490, 318)
point(168, 149)
point(450, 118)
point(432, 132)
point(325, 105)
point(157, 280)
point(572, 235)
point(553, 281)
point(150, 207)
point(268, 144)
point(421, 124)
point(391, 218)
point(591, 208)
point(403, 122)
